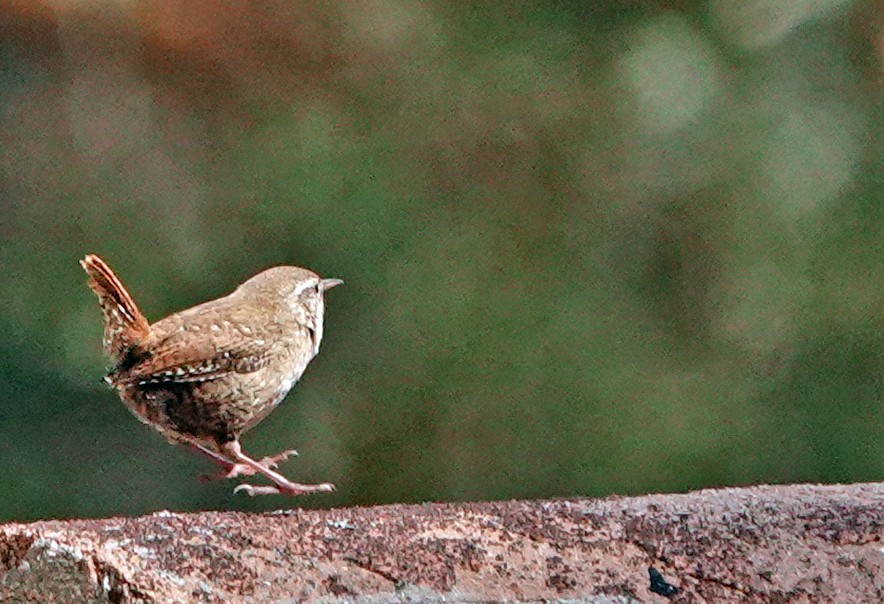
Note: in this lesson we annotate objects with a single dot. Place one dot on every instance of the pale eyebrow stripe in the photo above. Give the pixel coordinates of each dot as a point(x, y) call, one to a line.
point(311, 283)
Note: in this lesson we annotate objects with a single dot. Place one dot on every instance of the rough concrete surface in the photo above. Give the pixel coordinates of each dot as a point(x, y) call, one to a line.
point(781, 544)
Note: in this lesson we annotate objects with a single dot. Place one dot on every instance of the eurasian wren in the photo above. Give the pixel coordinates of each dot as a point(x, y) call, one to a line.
point(205, 375)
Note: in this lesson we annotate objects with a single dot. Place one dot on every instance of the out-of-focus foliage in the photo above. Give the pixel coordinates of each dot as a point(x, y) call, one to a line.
point(587, 250)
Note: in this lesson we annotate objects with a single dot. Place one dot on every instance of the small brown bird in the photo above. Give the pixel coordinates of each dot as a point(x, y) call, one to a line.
point(207, 374)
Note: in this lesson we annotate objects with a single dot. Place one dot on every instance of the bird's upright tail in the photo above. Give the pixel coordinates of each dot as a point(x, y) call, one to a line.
point(124, 325)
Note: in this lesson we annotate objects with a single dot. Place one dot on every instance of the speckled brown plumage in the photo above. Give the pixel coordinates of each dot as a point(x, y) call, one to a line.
point(207, 374)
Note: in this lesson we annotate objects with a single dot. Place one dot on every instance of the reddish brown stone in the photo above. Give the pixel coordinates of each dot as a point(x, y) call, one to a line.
point(764, 544)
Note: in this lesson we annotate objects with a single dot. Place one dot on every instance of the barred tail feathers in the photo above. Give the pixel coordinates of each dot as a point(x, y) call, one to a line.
point(124, 325)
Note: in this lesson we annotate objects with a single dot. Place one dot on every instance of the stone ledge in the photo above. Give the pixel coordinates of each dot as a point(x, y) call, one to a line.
point(796, 543)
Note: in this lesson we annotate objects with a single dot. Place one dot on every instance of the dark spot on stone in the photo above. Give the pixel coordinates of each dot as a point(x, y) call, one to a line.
point(561, 582)
point(13, 549)
point(336, 588)
point(659, 584)
point(561, 574)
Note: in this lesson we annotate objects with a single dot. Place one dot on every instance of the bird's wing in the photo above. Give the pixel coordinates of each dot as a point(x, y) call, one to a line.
point(198, 345)
point(172, 366)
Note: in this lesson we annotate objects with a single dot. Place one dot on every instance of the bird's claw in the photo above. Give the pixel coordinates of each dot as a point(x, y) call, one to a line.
point(241, 469)
point(292, 489)
point(273, 461)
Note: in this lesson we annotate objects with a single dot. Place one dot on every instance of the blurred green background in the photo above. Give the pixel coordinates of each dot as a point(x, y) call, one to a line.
point(589, 248)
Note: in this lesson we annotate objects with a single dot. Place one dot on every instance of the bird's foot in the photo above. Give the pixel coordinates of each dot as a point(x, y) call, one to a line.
point(292, 488)
point(281, 485)
point(233, 470)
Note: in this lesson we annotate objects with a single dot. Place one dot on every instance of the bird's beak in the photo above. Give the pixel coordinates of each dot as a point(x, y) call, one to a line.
point(327, 284)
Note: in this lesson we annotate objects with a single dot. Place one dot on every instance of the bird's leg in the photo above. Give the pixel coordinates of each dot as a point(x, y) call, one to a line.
point(232, 469)
point(227, 466)
point(216, 457)
point(282, 486)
